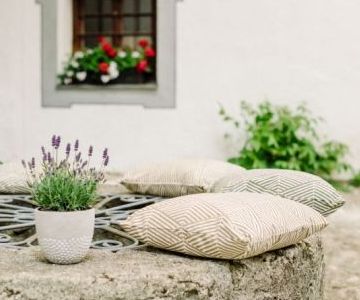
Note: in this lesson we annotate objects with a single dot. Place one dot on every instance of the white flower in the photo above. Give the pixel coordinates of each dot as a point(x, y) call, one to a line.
point(135, 54)
point(113, 66)
point(67, 81)
point(74, 64)
point(89, 51)
point(81, 76)
point(114, 73)
point(122, 54)
point(105, 78)
point(78, 54)
point(70, 73)
point(113, 70)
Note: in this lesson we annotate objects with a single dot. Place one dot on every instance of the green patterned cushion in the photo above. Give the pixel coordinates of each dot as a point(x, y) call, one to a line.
point(302, 187)
point(228, 226)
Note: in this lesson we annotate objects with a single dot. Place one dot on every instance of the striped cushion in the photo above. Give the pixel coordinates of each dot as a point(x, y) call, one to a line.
point(228, 226)
point(13, 179)
point(302, 187)
point(180, 177)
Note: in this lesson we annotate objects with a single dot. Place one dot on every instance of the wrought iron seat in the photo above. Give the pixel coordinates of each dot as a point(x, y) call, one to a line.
point(17, 226)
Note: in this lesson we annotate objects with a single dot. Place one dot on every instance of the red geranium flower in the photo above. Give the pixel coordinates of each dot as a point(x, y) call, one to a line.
point(103, 67)
point(143, 43)
point(108, 49)
point(142, 66)
point(106, 46)
point(150, 52)
point(111, 53)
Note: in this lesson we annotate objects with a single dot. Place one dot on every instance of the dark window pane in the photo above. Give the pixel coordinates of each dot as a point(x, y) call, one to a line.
point(91, 25)
point(145, 6)
point(107, 6)
point(129, 24)
point(91, 42)
point(129, 6)
point(107, 25)
point(91, 6)
point(145, 24)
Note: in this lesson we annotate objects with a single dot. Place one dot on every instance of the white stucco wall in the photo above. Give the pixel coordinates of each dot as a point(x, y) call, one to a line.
point(227, 50)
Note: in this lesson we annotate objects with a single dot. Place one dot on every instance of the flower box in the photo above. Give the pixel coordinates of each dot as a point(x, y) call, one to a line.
point(105, 65)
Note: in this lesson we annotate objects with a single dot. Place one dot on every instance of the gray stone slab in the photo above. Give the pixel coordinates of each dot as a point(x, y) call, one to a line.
point(292, 273)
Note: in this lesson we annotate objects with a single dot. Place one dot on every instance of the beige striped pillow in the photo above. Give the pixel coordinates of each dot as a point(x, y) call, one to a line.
point(227, 226)
point(179, 177)
point(13, 179)
point(299, 186)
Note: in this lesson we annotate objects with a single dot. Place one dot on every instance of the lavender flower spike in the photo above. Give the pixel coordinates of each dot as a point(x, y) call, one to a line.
point(76, 146)
point(91, 148)
point(105, 153)
point(53, 140)
point(106, 162)
point(68, 149)
point(49, 157)
point(33, 163)
point(23, 163)
point(43, 150)
point(57, 142)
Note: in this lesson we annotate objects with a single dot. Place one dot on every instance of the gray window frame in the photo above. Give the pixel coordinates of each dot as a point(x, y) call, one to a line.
point(159, 95)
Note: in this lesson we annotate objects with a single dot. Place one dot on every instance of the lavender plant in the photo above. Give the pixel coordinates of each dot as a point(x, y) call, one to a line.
point(67, 184)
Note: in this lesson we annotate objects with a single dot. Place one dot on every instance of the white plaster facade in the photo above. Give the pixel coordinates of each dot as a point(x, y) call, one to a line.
point(287, 51)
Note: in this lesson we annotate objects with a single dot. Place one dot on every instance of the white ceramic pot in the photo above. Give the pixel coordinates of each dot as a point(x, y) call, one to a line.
point(65, 237)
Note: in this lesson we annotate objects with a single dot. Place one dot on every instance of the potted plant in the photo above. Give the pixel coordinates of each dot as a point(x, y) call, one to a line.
point(65, 190)
point(105, 64)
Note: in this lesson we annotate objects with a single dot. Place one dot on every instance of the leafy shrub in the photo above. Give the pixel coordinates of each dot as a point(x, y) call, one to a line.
point(278, 137)
point(67, 184)
point(355, 180)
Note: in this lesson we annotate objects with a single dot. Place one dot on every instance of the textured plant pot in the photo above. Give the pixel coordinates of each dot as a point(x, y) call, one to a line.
point(65, 237)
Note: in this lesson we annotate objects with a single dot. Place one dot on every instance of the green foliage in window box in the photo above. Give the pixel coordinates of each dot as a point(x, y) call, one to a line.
point(278, 137)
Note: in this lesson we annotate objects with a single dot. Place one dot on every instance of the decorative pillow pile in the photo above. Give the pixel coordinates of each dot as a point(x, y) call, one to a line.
point(302, 187)
point(227, 226)
point(13, 179)
point(179, 177)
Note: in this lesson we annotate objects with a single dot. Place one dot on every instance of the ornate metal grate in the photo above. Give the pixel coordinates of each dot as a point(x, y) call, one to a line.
point(17, 225)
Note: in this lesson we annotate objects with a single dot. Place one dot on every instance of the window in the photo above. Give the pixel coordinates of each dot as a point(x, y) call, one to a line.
point(124, 23)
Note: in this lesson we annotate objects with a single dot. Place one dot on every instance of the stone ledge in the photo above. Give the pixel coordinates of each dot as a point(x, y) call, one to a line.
point(292, 273)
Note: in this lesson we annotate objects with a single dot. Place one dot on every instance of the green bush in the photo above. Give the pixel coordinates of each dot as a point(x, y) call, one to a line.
point(278, 137)
point(355, 180)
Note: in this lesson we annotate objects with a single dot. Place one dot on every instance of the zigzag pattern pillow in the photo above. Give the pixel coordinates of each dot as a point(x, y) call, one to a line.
point(227, 226)
point(302, 187)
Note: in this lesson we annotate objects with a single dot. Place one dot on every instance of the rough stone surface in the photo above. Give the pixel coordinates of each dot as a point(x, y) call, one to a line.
point(342, 251)
point(292, 273)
